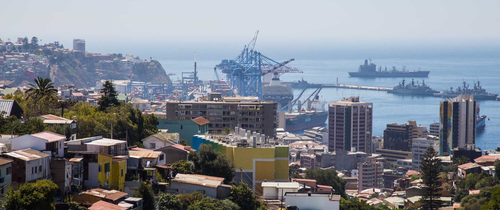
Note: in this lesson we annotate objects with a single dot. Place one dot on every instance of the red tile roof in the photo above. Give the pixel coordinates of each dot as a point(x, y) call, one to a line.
point(103, 205)
point(4, 161)
point(200, 120)
point(49, 136)
point(410, 173)
point(112, 195)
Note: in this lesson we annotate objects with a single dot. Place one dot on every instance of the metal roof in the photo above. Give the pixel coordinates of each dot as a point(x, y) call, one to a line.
point(6, 106)
point(27, 154)
point(196, 179)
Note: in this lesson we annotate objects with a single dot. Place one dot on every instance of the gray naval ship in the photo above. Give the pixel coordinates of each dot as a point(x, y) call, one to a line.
point(413, 89)
point(370, 70)
point(477, 90)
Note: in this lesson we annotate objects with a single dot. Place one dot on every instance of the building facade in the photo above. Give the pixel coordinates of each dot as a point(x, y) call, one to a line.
point(350, 125)
point(79, 44)
point(419, 147)
point(399, 136)
point(370, 174)
point(228, 112)
point(457, 123)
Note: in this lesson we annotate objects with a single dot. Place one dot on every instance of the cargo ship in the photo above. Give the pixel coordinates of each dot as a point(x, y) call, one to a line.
point(277, 91)
point(312, 115)
point(477, 90)
point(370, 70)
point(413, 89)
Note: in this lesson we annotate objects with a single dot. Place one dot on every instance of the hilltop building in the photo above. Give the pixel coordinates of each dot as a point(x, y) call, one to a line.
point(350, 125)
point(256, 160)
point(370, 174)
point(185, 128)
point(79, 44)
point(228, 112)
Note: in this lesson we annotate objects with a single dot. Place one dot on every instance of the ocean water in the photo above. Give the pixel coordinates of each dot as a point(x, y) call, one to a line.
point(387, 107)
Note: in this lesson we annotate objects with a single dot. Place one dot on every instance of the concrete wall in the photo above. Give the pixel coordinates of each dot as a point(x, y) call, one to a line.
point(173, 155)
point(93, 180)
point(61, 171)
point(31, 175)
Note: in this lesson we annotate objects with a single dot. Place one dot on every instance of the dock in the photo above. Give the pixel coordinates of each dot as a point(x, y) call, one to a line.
point(338, 85)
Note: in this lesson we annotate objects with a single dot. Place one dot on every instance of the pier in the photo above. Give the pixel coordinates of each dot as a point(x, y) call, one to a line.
point(338, 85)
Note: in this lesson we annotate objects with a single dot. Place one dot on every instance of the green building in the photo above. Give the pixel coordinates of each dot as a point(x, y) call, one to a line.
point(186, 128)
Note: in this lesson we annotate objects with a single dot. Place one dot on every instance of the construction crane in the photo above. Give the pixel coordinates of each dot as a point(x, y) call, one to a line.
point(245, 72)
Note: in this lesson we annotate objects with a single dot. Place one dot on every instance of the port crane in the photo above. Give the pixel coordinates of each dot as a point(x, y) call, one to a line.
point(245, 72)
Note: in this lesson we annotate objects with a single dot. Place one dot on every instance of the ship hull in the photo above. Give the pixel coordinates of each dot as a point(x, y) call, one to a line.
point(390, 74)
point(476, 96)
point(303, 122)
point(282, 100)
point(412, 92)
point(481, 122)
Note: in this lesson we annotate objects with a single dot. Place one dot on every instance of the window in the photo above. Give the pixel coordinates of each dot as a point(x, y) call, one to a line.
point(32, 170)
point(9, 170)
point(40, 169)
point(100, 168)
point(36, 170)
point(181, 127)
point(107, 167)
point(122, 172)
point(162, 157)
point(153, 145)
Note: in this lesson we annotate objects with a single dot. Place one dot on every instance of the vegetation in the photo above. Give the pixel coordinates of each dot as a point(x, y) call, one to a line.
point(189, 198)
point(12, 125)
point(38, 195)
point(210, 203)
point(431, 167)
point(182, 167)
point(356, 204)
point(243, 196)
point(212, 163)
point(109, 98)
point(294, 170)
point(146, 193)
point(168, 201)
point(183, 142)
point(328, 177)
point(414, 177)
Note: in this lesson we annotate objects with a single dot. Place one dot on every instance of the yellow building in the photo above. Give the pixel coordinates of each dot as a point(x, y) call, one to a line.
point(104, 169)
point(118, 172)
point(254, 165)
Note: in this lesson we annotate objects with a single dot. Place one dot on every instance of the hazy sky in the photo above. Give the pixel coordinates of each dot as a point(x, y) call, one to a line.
point(133, 25)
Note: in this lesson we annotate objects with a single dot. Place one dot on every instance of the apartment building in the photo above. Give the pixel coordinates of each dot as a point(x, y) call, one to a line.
point(350, 125)
point(419, 146)
point(308, 161)
point(458, 123)
point(399, 136)
point(370, 174)
point(228, 112)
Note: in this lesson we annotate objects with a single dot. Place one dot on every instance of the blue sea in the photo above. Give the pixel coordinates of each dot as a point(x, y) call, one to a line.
point(389, 108)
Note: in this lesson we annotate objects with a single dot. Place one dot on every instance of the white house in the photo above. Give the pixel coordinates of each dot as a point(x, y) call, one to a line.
point(108, 146)
point(51, 143)
point(313, 201)
point(276, 190)
point(208, 185)
point(149, 159)
point(29, 165)
point(160, 140)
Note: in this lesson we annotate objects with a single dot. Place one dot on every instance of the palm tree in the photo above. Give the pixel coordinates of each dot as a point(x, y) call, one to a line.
point(42, 87)
point(461, 160)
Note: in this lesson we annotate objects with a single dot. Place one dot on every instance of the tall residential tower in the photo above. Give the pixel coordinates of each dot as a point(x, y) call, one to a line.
point(350, 125)
point(458, 123)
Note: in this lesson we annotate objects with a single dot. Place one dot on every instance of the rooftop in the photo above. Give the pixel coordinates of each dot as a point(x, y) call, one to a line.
point(468, 166)
point(200, 120)
point(103, 205)
point(487, 158)
point(106, 142)
point(196, 179)
point(49, 136)
point(112, 195)
point(282, 185)
point(144, 154)
point(27, 154)
point(170, 138)
point(4, 161)
point(53, 119)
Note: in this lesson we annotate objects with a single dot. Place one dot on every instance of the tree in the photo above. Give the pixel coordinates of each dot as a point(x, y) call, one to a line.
point(430, 167)
point(183, 167)
point(294, 170)
point(146, 193)
point(243, 196)
point(38, 195)
point(212, 163)
point(461, 160)
point(189, 198)
point(183, 142)
point(354, 204)
point(110, 96)
point(461, 194)
point(73, 205)
point(414, 177)
point(210, 203)
point(43, 87)
point(34, 41)
point(328, 177)
point(168, 201)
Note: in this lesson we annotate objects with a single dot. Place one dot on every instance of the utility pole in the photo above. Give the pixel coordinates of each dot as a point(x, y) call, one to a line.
point(111, 128)
point(241, 175)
